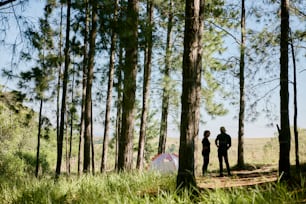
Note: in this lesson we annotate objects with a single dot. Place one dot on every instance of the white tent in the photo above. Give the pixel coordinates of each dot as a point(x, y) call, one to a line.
point(164, 163)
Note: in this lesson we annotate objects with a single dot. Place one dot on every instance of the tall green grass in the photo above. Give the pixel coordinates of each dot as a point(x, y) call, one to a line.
point(137, 187)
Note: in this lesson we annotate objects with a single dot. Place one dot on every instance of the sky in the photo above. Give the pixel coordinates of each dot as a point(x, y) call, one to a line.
point(255, 129)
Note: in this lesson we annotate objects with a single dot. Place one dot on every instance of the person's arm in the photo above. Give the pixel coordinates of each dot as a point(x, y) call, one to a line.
point(229, 142)
point(216, 141)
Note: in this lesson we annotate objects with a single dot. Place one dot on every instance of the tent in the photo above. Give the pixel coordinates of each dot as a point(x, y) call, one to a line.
point(164, 163)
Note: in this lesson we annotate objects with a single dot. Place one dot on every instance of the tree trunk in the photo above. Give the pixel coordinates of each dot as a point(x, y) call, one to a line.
point(119, 104)
point(64, 94)
point(38, 138)
point(191, 92)
point(88, 103)
point(284, 136)
point(295, 128)
point(165, 100)
point(125, 157)
point(240, 161)
point(146, 85)
point(84, 84)
point(92, 144)
point(66, 143)
point(109, 90)
point(71, 124)
point(59, 73)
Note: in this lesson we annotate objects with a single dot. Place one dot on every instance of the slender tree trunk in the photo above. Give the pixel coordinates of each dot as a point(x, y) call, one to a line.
point(125, 157)
point(66, 143)
point(90, 74)
point(240, 162)
point(284, 136)
point(64, 93)
point(92, 146)
point(191, 92)
point(119, 104)
point(71, 124)
point(109, 90)
point(296, 133)
point(84, 84)
point(165, 100)
point(38, 138)
point(146, 86)
point(59, 72)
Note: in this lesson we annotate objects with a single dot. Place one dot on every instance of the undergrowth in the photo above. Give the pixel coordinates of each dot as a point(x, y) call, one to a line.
point(134, 187)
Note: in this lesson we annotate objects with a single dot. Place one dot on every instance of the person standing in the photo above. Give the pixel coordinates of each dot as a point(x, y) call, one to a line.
point(205, 151)
point(223, 142)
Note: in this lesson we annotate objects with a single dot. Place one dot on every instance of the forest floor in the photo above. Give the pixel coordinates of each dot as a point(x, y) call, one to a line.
point(248, 177)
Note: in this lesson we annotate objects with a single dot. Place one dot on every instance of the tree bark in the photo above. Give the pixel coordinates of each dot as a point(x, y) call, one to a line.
point(119, 104)
point(146, 85)
point(295, 128)
point(38, 138)
point(125, 157)
point(284, 136)
point(59, 73)
point(71, 124)
point(191, 92)
point(109, 90)
point(240, 161)
point(92, 144)
point(90, 75)
point(165, 100)
point(64, 94)
point(84, 84)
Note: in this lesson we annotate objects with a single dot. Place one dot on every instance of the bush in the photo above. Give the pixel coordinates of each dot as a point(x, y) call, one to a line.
point(11, 167)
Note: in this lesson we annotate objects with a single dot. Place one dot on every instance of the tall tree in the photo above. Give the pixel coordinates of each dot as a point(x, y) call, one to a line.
point(118, 104)
point(165, 97)
point(64, 94)
point(295, 128)
point(90, 75)
point(59, 73)
point(84, 84)
point(109, 87)
point(41, 74)
point(240, 161)
point(125, 157)
point(72, 111)
point(191, 92)
point(146, 84)
point(38, 137)
point(284, 134)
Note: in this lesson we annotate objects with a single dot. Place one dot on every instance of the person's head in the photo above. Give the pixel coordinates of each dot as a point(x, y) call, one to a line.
point(206, 133)
point(222, 129)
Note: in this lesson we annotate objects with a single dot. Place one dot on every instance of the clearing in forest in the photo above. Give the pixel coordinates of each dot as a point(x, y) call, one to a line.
point(239, 178)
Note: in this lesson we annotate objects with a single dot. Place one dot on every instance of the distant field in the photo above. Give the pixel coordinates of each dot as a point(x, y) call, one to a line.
point(257, 151)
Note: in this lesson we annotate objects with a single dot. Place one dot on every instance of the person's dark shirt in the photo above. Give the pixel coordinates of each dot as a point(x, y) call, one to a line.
point(206, 146)
point(224, 141)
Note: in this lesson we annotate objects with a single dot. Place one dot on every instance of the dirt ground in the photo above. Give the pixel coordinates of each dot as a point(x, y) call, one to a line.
point(239, 178)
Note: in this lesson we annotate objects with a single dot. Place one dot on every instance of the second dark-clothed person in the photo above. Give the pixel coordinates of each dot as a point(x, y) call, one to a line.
point(205, 151)
point(223, 142)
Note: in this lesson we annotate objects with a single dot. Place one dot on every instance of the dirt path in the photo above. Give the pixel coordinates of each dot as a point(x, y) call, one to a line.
point(238, 178)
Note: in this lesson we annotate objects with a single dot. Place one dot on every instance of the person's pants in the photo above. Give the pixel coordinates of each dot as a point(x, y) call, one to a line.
point(223, 154)
point(205, 163)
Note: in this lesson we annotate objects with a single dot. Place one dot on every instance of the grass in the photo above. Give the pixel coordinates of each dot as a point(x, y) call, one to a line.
point(139, 188)
point(150, 187)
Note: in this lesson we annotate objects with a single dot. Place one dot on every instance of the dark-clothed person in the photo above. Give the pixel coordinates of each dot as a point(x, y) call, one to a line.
point(205, 151)
point(223, 142)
